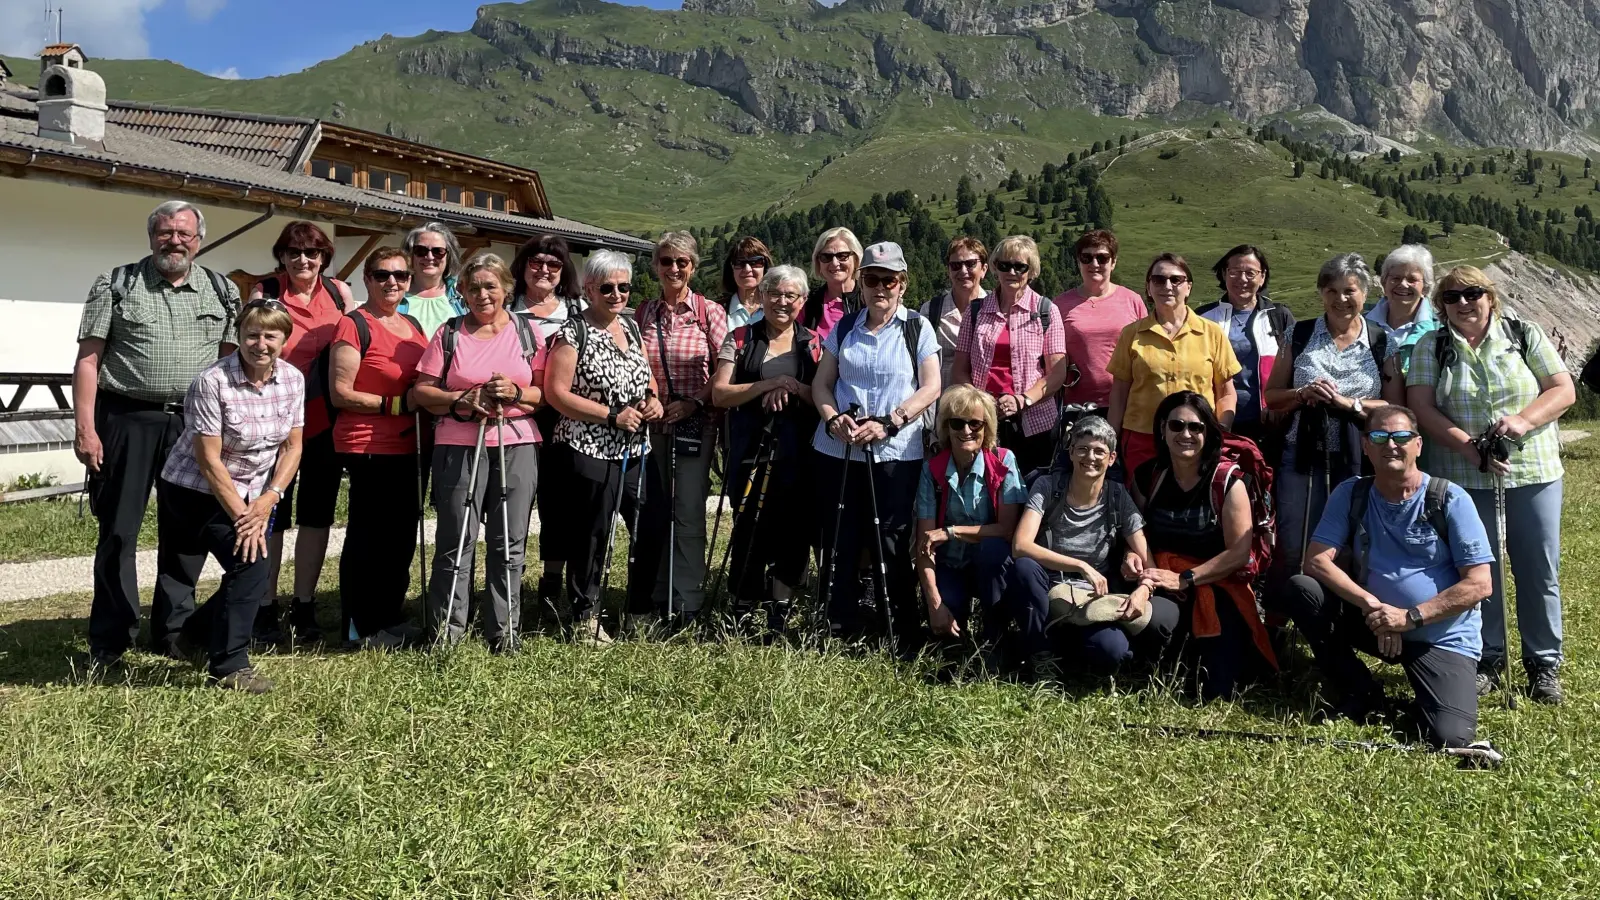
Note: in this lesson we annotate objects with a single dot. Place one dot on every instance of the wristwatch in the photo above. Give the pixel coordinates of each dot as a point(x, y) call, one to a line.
point(1186, 579)
point(276, 490)
point(611, 416)
point(1414, 616)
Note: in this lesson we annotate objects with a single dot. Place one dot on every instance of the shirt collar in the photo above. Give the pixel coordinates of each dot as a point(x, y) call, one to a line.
point(954, 475)
point(1380, 313)
point(1191, 323)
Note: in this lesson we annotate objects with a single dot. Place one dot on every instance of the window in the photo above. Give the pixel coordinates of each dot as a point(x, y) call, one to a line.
point(445, 193)
point(343, 173)
point(386, 181)
point(489, 200)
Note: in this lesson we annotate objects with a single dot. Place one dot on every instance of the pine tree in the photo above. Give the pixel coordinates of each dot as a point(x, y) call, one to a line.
point(966, 197)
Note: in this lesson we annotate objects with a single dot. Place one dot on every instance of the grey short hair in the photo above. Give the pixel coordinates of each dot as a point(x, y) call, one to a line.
point(679, 242)
point(1345, 265)
point(1411, 255)
point(171, 208)
point(1092, 428)
point(778, 276)
point(602, 263)
point(452, 247)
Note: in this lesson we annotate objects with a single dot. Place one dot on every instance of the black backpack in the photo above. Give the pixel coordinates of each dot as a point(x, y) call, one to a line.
point(122, 282)
point(580, 335)
point(1353, 556)
point(912, 332)
point(1444, 349)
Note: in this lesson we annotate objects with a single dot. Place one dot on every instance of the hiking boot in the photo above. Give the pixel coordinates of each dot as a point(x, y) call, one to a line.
point(1044, 669)
point(386, 639)
point(266, 629)
point(101, 664)
point(1488, 680)
point(1544, 684)
point(173, 646)
point(246, 679)
point(588, 632)
point(303, 620)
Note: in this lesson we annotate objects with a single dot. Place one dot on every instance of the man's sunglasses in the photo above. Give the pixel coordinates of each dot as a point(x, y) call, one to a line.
point(966, 424)
point(1464, 295)
point(430, 252)
point(611, 290)
point(1179, 426)
point(841, 256)
point(1401, 438)
point(752, 262)
point(389, 275)
point(1012, 267)
point(967, 265)
point(1098, 259)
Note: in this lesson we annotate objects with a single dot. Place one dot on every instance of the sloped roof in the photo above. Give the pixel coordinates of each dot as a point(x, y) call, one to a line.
point(276, 142)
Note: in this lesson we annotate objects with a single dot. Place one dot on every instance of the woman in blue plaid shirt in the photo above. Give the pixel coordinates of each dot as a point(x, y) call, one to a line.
point(1485, 374)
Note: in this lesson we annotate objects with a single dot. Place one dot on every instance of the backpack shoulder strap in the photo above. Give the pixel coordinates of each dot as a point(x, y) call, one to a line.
point(1444, 349)
point(364, 330)
point(1301, 336)
point(122, 281)
point(331, 285)
point(994, 473)
point(525, 336)
point(1222, 478)
point(1517, 329)
point(939, 468)
point(912, 331)
point(935, 307)
point(1357, 537)
point(1434, 503)
point(447, 344)
point(1279, 320)
point(271, 287)
point(1379, 339)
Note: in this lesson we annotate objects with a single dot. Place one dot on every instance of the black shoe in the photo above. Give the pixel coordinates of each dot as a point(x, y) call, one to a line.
point(1544, 684)
point(266, 629)
point(1365, 708)
point(100, 664)
point(303, 619)
point(173, 646)
point(1488, 679)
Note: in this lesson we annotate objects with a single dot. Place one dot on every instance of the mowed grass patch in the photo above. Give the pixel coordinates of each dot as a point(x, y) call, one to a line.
point(686, 769)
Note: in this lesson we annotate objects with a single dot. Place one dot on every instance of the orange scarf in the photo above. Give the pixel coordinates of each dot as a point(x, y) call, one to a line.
point(1205, 620)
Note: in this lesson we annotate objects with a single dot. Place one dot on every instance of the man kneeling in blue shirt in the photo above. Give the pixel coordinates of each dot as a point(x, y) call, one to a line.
point(1401, 582)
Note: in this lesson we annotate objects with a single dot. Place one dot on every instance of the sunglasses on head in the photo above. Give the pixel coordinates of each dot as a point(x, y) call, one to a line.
point(611, 290)
point(310, 253)
point(873, 280)
point(674, 262)
point(265, 303)
point(841, 256)
point(1098, 259)
point(430, 252)
point(1173, 280)
point(1399, 437)
point(968, 265)
point(966, 424)
point(389, 275)
point(752, 262)
point(1012, 267)
point(1180, 426)
point(1464, 295)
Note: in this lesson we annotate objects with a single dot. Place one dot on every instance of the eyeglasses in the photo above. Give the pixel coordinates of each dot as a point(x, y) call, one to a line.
point(429, 252)
point(674, 262)
point(752, 262)
point(787, 296)
point(841, 256)
point(611, 290)
point(1399, 437)
point(310, 253)
point(1012, 266)
point(1090, 451)
point(1180, 426)
point(1244, 274)
point(1465, 295)
point(545, 263)
point(966, 424)
point(964, 265)
point(182, 237)
point(266, 303)
point(1095, 259)
point(872, 280)
point(382, 275)
point(1173, 280)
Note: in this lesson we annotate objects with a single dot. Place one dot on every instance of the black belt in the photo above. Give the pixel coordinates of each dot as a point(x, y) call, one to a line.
point(170, 408)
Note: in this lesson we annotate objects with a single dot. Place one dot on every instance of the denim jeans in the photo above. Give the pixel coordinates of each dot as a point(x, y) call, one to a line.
point(1533, 544)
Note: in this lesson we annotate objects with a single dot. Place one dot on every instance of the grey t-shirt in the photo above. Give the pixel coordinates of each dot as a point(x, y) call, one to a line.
point(1086, 533)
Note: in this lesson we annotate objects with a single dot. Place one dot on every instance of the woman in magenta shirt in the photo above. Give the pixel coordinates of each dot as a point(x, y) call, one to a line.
point(375, 355)
point(1094, 314)
point(496, 368)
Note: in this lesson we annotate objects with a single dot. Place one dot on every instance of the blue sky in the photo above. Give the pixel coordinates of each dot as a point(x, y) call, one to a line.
point(236, 38)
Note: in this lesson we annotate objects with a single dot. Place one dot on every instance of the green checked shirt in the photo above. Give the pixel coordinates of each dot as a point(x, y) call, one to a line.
point(1485, 384)
point(158, 336)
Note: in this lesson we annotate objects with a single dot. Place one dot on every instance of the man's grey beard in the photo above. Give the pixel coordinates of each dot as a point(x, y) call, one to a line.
point(172, 263)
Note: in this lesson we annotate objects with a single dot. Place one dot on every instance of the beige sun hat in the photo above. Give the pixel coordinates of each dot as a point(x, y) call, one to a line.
point(1077, 605)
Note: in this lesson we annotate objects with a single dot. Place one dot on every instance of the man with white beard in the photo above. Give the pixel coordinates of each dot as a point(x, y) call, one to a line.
point(148, 328)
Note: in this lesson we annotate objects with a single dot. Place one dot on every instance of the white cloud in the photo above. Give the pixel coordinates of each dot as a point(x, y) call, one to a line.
point(201, 10)
point(231, 73)
point(105, 28)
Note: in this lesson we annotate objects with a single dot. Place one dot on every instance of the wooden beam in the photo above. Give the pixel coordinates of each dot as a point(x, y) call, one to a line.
point(353, 231)
point(360, 256)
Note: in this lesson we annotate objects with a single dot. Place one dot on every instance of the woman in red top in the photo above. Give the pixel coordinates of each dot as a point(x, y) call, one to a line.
point(316, 303)
point(375, 354)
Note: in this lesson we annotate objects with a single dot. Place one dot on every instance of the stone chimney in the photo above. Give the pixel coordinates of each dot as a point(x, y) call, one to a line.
point(72, 99)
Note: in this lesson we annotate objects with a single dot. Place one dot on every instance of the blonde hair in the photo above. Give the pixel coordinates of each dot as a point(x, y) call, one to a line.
point(1019, 246)
point(851, 242)
point(678, 242)
point(267, 315)
point(487, 262)
point(1465, 277)
point(962, 401)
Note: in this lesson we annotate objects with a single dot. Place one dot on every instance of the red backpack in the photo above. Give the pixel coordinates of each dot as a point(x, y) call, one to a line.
point(994, 477)
point(1241, 458)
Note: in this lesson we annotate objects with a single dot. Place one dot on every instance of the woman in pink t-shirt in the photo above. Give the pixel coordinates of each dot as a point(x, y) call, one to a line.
point(1094, 313)
point(495, 367)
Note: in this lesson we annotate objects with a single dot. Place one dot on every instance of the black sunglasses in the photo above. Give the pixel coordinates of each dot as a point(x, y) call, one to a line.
point(609, 290)
point(1098, 258)
point(1012, 267)
point(435, 252)
point(970, 265)
point(1465, 295)
point(1399, 437)
point(966, 424)
point(752, 262)
point(873, 280)
point(1179, 426)
point(302, 253)
point(389, 275)
point(1173, 280)
point(841, 256)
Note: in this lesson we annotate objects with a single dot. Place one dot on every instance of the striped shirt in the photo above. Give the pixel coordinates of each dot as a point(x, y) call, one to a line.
point(157, 334)
point(253, 423)
point(1485, 384)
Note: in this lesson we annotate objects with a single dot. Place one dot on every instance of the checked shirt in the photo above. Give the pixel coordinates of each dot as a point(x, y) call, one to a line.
point(252, 422)
point(1031, 342)
point(694, 333)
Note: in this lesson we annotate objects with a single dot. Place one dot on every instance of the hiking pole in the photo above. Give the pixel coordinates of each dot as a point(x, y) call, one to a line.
point(513, 589)
point(672, 521)
point(633, 531)
point(611, 536)
point(422, 508)
point(469, 506)
point(1498, 448)
point(763, 466)
point(838, 521)
point(877, 547)
point(1477, 755)
point(716, 521)
point(763, 451)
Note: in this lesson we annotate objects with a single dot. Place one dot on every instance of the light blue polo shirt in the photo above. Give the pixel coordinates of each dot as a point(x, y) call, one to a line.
point(1404, 338)
point(1408, 564)
point(876, 373)
point(968, 500)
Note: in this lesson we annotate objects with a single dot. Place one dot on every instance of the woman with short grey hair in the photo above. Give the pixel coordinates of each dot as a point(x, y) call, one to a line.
point(435, 260)
point(1403, 312)
point(598, 378)
point(1329, 375)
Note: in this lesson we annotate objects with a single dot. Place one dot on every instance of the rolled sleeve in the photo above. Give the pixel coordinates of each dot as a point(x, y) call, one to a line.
point(927, 343)
point(96, 321)
point(1055, 337)
point(729, 350)
point(1542, 356)
point(1424, 364)
point(1011, 488)
point(202, 405)
point(927, 504)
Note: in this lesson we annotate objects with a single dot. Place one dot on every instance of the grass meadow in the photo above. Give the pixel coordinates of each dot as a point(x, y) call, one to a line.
point(728, 769)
